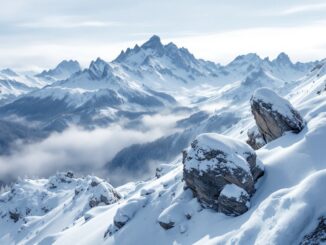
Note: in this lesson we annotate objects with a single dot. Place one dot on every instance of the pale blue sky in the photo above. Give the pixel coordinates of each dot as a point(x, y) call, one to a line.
point(40, 33)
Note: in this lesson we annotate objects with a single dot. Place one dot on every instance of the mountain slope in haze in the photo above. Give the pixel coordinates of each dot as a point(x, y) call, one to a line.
point(13, 84)
point(61, 72)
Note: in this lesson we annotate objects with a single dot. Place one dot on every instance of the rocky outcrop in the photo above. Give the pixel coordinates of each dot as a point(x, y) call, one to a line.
point(233, 200)
point(101, 193)
point(318, 235)
point(221, 172)
point(255, 139)
point(274, 115)
point(127, 211)
point(63, 191)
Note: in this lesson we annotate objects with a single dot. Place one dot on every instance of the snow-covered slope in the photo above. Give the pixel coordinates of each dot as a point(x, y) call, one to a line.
point(287, 208)
point(13, 84)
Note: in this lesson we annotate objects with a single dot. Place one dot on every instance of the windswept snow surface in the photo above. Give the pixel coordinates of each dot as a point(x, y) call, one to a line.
point(285, 207)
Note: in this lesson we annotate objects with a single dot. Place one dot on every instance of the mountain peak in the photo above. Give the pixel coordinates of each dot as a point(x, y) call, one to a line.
point(99, 68)
point(282, 58)
point(153, 43)
point(249, 58)
point(70, 64)
point(62, 71)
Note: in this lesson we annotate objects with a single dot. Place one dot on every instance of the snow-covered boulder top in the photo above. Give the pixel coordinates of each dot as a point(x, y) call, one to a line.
point(62, 191)
point(274, 115)
point(213, 161)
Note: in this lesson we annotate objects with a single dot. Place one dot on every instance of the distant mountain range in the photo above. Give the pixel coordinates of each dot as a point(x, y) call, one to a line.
point(144, 80)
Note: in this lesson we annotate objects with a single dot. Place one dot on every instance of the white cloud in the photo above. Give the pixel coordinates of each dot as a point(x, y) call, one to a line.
point(81, 150)
point(304, 8)
point(73, 149)
point(67, 22)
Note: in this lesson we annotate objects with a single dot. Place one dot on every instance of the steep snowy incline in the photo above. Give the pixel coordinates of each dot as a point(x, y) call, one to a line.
point(288, 199)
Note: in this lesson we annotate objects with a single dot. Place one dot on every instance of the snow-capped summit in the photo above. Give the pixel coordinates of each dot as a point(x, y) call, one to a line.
point(99, 69)
point(153, 43)
point(62, 71)
point(250, 58)
point(165, 66)
point(282, 60)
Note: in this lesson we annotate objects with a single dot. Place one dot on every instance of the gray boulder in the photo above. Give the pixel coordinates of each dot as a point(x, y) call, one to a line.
point(274, 115)
point(255, 139)
point(214, 161)
point(233, 200)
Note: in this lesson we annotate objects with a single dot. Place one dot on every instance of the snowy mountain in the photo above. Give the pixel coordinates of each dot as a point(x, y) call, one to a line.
point(165, 66)
point(61, 72)
point(13, 84)
point(286, 205)
point(149, 80)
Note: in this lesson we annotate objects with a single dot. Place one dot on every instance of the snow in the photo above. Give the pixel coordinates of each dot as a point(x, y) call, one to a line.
point(234, 151)
point(285, 207)
point(128, 211)
point(233, 191)
point(279, 104)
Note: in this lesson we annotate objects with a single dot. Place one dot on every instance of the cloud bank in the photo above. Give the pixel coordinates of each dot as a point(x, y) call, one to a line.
point(80, 150)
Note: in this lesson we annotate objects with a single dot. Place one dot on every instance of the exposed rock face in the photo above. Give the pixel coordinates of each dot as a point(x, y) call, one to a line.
point(213, 162)
point(318, 236)
point(274, 115)
point(255, 139)
point(101, 193)
point(233, 200)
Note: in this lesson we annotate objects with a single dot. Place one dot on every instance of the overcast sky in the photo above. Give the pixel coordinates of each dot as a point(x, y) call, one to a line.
point(37, 34)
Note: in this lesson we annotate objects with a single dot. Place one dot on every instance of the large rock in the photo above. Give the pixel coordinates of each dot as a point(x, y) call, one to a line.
point(255, 139)
point(214, 161)
point(274, 115)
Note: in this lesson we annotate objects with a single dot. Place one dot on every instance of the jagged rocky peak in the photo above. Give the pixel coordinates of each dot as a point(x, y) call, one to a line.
point(69, 64)
point(274, 115)
point(221, 172)
point(62, 71)
point(282, 59)
point(250, 58)
point(153, 43)
point(99, 69)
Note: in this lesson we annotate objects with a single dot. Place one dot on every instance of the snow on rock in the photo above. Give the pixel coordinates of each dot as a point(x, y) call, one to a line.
point(214, 161)
point(55, 203)
point(145, 192)
point(274, 115)
point(179, 212)
point(233, 200)
point(101, 192)
point(128, 211)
